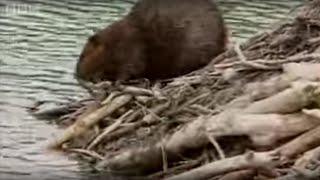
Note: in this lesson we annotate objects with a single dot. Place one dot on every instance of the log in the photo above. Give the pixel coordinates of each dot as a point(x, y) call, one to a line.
point(248, 160)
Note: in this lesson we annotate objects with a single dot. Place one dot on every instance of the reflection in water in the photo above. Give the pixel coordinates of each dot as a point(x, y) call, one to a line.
point(39, 44)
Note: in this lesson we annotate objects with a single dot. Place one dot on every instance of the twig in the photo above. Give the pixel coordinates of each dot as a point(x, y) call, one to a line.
point(164, 159)
point(82, 111)
point(136, 91)
point(133, 116)
point(125, 89)
point(202, 110)
point(192, 79)
point(231, 52)
point(314, 40)
point(245, 62)
point(147, 120)
point(87, 153)
point(188, 103)
point(294, 58)
point(111, 96)
point(217, 146)
point(109, 129)
point(149, 111)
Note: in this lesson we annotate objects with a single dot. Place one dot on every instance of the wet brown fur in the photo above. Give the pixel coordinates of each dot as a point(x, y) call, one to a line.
point(158, 39)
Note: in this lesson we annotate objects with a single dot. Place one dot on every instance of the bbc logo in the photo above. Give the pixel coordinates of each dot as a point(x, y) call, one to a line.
point(17, 8)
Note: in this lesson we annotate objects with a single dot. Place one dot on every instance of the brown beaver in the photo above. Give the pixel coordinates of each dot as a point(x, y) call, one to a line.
point(158, 39)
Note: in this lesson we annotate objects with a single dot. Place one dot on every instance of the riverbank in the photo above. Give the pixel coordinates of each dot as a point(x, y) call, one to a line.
point(258, 96)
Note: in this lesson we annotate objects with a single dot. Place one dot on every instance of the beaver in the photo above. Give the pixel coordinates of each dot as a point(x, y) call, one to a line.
point(157, 39)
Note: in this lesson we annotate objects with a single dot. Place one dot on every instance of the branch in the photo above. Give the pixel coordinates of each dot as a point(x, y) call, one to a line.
point(81, 125)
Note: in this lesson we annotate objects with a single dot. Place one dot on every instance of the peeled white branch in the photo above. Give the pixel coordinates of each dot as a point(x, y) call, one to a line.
point(301, 94)
point(85, 123)
point(248, 160)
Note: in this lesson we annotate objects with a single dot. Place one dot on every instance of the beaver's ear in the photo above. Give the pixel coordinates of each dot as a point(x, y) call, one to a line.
point(93, 39)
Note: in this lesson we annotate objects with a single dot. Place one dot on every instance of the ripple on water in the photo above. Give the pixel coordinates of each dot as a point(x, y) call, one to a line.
point(40, 41)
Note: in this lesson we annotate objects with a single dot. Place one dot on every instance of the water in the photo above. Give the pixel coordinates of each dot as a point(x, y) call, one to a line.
point(39, 44)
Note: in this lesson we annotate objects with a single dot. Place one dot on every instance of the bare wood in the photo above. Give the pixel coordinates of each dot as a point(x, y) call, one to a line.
point(230, 52)
point(109, 129)
point(239, 175)
point(245, 62)
point(110, 97)
point(312, 112)
point(307, 71)
point(164, 159)
point(125, 89)
point(184, 166)
point(292, 72)
point(87, 153)
point(81, 125)
point(81, 112)
point(303, 143)
point(201, 110)
point(298, 145)
point(290, 100)
point(263, 129)
point(146, 120)
point(274, 63)
point(248, 160)
point(302, 174)
point(216, 146)
point(308, 157)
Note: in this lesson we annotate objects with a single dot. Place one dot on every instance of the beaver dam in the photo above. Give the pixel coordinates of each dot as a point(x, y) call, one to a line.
point(252, 113)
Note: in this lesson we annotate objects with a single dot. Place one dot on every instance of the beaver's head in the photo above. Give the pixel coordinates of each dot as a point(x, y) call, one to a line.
point(113, 53)
point(94, 61)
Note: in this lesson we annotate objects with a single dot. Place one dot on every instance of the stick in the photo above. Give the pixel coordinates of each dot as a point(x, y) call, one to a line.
point(303, 143)
point(291, 59)
point(239, 175)
point(87, 153)
point(109, 129)
point(290, 100)
point(248, 160)
point(164, 159)
point(83, 124)
point(308, 157)
point(245, 62)
point(180, 168)
point(147, 120)
point(217, 146)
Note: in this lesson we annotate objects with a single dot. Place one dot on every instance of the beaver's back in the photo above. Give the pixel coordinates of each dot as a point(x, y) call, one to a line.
point(180, 35)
